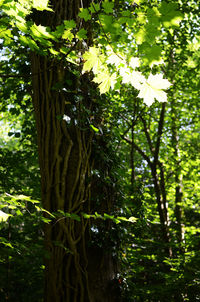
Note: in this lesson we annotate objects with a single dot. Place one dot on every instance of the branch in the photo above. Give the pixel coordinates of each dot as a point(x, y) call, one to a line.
point(138, 149)
point(147, 134)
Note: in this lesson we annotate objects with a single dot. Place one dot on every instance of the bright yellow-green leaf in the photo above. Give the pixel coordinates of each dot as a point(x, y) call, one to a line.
point(94, 128)
point(140, 36)
point(3, 216)
point(41, 32)
point(135, 78)
point(157, 82)
point(152, 89)
point(68, 35)
point(105, 81)
point(22, 26)
point(132, 219)
point(41, 5)
point(92, 60)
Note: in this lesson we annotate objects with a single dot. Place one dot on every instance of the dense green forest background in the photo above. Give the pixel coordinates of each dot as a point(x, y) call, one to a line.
point(99, 151)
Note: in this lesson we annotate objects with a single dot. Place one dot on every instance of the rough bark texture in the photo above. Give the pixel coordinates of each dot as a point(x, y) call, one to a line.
point(75, 271)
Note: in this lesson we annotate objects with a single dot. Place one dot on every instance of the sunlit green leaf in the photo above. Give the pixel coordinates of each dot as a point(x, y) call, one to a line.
point(41, 5)
point(68, 35)
point(3, 216)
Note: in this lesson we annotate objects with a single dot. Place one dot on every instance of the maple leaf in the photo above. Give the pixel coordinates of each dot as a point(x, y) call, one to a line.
point(114, 59)
point(81, 34)
point(153, 89)
point(85, 14)
point(158, 82)
point(105, 81)
point(108, 7)
point(135, 78)
point(134, 62)
point(92, 60)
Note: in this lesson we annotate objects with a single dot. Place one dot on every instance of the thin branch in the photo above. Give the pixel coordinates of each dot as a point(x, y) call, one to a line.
point(147, 134)
point(138, 149)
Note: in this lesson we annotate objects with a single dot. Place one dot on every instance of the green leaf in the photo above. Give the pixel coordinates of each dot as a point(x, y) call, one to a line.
point(69, 24)
point(82, 34)
point(85, 14)
point(171, 15)
point(40, 31)
point(22, 26)
point(29, 42)
point(68, 35)
point(92, 60)
point(41, 5)
point(4, 216)
point(5, 242)
point(94, 7)
point(140, 36)
point(152, 53)
point(105, 81)
point(108, 7)
point(75, 217)
point(98, 216)
point(94, 128)
point(106, 22)
point(87, 216)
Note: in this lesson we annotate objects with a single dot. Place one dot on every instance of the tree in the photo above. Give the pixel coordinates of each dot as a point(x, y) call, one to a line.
point(72, 51)
point(65, 148)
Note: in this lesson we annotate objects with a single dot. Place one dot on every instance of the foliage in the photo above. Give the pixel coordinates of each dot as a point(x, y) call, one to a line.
point(140, 50)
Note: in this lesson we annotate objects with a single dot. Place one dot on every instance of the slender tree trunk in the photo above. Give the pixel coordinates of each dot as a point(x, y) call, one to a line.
point(132, 155)
point(159, 185)
point(65, 147)
point(162, 208)
point(178, 178)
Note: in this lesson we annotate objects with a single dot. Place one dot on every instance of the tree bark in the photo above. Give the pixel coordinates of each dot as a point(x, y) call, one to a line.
point(65, 148)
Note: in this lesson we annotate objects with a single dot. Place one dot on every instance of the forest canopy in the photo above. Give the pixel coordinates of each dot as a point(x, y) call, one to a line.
point(99, 150)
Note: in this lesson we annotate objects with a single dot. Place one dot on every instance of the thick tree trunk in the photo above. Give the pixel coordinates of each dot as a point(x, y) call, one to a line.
point(64, 153)
point(75, 272)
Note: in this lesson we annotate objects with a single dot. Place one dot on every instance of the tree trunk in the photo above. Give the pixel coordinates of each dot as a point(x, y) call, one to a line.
point(65, 147)
point(178, 178)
